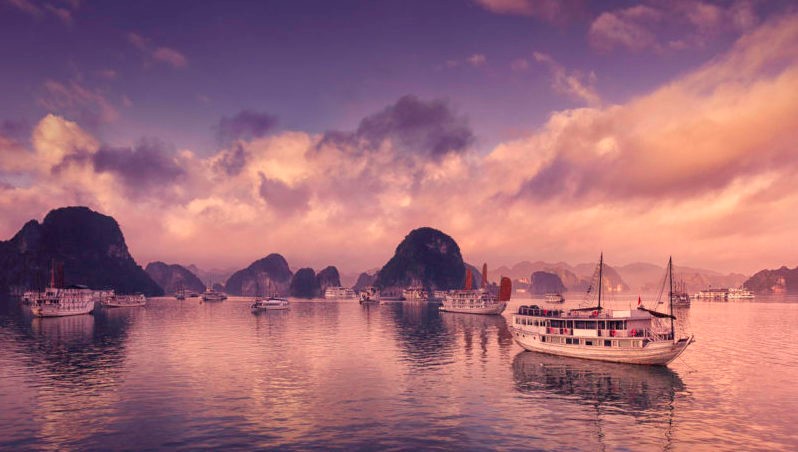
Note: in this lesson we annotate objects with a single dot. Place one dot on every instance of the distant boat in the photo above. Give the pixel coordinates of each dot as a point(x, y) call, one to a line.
point(339, 293)
point(680, 298)
point(740, 294)
point(633, 336)
point(212, 295)
point(478, 301)
point(713, 294)
point(415, 293)
point(270, 304)
point(369, 295)
point(124, 301)
point(553, 298)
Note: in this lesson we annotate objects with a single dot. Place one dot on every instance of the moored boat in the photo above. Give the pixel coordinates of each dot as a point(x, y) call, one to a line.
point(339, 293)
point(634, 336)
point(270, 304)
point(553, 298)
point(213, 295)
point(124, 301)
point(369, 295)
point(59, 302)
point(740, 294)
point(415, 293)
point(478, 301)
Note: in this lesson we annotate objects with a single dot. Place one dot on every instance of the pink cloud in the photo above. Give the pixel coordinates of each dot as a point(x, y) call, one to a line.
point(554, 11)
point(170, 56)
point(73, 99)
point(162, 54)
point(571, 83)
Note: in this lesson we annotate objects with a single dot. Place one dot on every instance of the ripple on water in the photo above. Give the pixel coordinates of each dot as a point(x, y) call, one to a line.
point(398, 376)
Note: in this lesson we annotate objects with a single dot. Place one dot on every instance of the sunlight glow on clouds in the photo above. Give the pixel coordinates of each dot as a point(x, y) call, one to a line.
point(663, 173)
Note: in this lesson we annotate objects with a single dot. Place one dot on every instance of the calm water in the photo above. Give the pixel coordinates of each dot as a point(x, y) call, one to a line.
point(398, 376)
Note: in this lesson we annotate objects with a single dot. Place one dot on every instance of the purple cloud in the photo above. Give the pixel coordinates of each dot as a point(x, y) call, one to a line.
point(414, 126)
point(145, 169)
point(281, 197)
point(233, 160)
point(247, 124)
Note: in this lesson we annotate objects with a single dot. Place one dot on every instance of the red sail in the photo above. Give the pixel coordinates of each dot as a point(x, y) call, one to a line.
point(505, 289)
point(485, 275)
point(469, 279)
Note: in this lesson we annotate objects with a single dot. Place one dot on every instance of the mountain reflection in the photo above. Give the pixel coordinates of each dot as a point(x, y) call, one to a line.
point(421, 333)
point(632, 389)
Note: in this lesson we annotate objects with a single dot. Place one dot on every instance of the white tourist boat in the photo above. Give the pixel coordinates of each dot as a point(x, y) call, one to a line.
point(634, 336)
point(124, 301)
point(270, 304)
point(415, 293)
point(740, 294)
point(339, 293)
point(369, 295)
point(553, 298)
point(59, 302)
point(213, 295)
point(712, 294)
point(478, 301)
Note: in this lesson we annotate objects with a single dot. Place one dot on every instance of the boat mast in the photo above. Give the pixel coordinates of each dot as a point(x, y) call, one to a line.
point(670, 293)
point(601, 267)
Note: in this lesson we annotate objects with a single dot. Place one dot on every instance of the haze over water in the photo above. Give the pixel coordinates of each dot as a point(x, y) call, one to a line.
point(340, 375)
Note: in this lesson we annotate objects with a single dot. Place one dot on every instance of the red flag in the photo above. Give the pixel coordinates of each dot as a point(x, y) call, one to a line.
point(638, 300)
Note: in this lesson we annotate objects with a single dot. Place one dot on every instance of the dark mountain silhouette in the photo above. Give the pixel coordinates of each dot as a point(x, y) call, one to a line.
point(90, 246)
point(265, 276)
point(304, 284)
point(365, 280)
point(782, 280)
point(328, 277)
point(427, 257)
point(544, 282)
point(174, 277)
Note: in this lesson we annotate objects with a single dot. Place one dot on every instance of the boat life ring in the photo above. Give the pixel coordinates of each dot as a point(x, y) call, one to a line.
point(612, 333)
point(634, 332)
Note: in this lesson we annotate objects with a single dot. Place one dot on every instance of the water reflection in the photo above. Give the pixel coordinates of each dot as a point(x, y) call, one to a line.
point(421, 334)
point(632, 389)
point(481, 326)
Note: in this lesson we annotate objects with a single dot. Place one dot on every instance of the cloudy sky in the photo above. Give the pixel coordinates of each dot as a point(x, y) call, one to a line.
point(218, 132)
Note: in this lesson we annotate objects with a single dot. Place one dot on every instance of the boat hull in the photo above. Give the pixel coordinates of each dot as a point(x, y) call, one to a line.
point(653, 354)
point(62, 311)
point(484, 310)
point(124, 305)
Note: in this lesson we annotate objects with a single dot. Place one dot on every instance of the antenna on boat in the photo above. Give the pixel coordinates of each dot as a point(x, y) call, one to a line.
point(601, 267)
point(670, 293)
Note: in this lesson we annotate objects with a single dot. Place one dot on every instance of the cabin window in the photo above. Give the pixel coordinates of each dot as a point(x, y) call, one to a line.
point(588, 342)
point(571, 340)
point(569, 324)
point(607, 343)
point(542, 338)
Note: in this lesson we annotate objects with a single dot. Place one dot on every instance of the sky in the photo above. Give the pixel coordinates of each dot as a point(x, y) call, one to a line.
point(219, 132)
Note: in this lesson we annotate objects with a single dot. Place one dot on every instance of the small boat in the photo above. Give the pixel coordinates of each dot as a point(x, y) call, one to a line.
point(632, 336)
point(415, 293)
point(553, 298)
point(339, 293)
point(369, 295)
point(124, 301)
point(740, 294)
point(212, 295)
point(680, 298)
point(270, 304)
point(712, 294)
point(478, 301)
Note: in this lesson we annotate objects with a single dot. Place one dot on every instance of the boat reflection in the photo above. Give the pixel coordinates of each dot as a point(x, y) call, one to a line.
point(632, 389)
point(481, 325)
